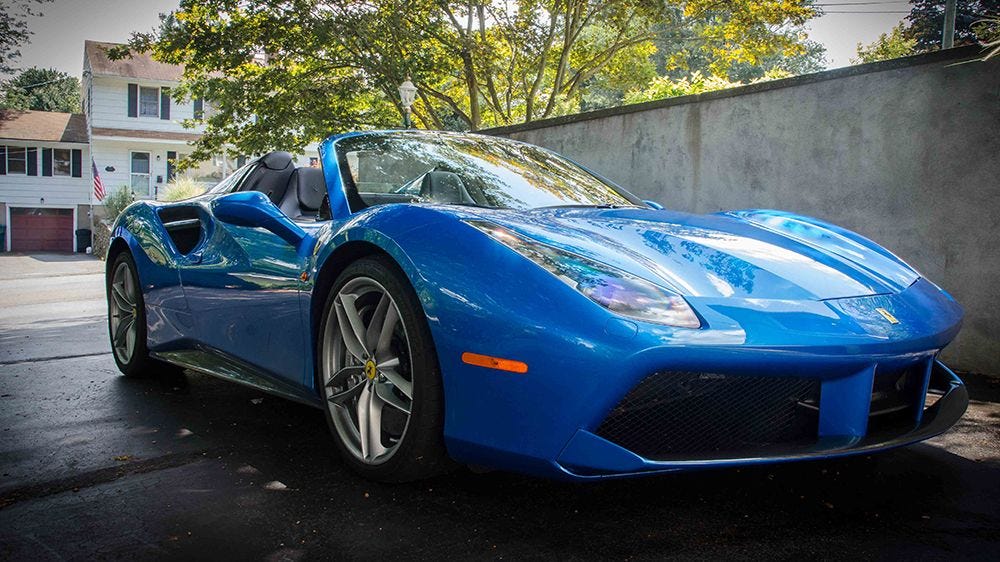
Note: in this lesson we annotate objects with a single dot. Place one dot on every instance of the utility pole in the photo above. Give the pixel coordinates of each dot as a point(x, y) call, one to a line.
point(948, 33)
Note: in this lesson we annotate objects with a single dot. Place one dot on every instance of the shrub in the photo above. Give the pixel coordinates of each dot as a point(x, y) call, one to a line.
point(989, 28)
point(664, 87)
point(181, 188)
point(116, 201)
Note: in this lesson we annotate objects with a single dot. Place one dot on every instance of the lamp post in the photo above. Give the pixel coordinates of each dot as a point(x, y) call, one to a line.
point(407, 93)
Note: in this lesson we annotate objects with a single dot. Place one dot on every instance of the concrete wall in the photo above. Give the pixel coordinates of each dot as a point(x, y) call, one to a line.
point(904, 152)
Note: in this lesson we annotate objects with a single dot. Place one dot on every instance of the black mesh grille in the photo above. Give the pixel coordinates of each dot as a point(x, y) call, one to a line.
point(673, 415)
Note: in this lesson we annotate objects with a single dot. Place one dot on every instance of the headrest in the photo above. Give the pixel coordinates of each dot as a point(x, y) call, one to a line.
point(276, 160)
point(444, 187)
point(310, 187)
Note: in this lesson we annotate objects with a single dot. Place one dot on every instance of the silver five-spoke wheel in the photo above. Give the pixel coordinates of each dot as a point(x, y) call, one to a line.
point(367, 370)
point(124, 312)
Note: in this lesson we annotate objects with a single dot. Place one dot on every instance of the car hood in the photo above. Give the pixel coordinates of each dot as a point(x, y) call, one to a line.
point(748, 254)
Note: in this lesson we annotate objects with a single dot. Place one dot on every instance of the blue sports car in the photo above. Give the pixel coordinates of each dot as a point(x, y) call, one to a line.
point(456, 298)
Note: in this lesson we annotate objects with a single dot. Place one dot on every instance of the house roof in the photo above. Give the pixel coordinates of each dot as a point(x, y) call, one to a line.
point(140, 134)
point(47, 126)
point(139, 65)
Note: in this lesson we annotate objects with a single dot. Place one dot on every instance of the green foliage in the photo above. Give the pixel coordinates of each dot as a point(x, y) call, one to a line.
point(284, 73)
point(41, 89)
point(181, 188)
point(116, 201)
point(811, 58)
point(740, 41)
point(664, 87)
point(926, 22)
point(14, 30)
point(892, 45)
point(990, 33)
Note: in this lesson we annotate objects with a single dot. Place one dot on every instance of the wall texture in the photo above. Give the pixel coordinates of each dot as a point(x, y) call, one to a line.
point(905, 152)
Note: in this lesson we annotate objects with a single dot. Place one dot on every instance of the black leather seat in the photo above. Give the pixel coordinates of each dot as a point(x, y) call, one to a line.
point(271, 175)
point(444, 187)
point(305, 193)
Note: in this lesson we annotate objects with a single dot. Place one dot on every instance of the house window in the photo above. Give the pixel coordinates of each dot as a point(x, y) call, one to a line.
point(172, 160)
point(149, 102)
point(61, 162)
point(17, 160)
point(140, 173)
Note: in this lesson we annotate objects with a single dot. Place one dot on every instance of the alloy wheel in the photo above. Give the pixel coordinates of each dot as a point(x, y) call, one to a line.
point(366, 368)
point(124, 313)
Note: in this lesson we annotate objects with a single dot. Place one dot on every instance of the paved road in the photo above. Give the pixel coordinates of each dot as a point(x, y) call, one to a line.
point(97, 466)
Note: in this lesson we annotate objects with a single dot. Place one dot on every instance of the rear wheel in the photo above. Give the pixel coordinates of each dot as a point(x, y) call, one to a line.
point(127, 320)
point(379, 375)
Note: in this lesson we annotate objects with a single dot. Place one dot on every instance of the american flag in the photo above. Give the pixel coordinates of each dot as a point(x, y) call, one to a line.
point(98, 184)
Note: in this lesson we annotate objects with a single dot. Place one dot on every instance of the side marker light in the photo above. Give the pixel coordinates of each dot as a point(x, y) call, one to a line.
point(494, 363)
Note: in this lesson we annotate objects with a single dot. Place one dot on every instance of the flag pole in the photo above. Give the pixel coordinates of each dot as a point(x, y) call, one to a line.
point(91, 205)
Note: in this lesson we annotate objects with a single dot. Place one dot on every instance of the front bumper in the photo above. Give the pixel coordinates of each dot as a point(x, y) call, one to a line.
point(589, 456)
point(584, 361)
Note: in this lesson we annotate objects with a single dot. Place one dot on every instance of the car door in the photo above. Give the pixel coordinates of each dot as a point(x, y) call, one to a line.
point(242, 287)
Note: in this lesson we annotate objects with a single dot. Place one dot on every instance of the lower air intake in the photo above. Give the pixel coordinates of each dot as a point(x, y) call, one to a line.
point(673, 415)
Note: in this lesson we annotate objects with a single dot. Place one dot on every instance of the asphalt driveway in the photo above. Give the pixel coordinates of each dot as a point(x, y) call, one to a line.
point(97, 466)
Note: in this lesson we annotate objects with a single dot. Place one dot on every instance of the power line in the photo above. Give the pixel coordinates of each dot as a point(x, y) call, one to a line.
point(869, 12)
point(822, 4)
point(43, 83)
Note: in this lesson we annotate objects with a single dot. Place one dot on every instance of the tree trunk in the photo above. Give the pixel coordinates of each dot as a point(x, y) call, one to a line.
point(470, 81)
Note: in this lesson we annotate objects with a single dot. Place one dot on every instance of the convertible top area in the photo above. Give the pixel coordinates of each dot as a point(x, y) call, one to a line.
point(297, 191)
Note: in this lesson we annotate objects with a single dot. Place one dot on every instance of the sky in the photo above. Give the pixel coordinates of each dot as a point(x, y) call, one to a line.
point(65, 24)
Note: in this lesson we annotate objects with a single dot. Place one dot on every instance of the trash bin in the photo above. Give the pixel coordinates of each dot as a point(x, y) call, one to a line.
point(82, 239)
point(3, 237)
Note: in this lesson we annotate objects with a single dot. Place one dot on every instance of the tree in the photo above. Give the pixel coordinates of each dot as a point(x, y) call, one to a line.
point(893, 45)
point(708, 43)
point(42, 89)
point(926, 21)
point(991, 38)
point(283, 73)
point(14, 30)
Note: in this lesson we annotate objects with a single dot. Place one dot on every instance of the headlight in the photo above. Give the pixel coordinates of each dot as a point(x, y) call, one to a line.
point(614, 289)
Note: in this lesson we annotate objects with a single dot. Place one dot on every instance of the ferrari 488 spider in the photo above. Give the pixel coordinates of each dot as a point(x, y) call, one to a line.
point(461, 298)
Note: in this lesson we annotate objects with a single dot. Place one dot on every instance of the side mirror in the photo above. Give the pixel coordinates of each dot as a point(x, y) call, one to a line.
point(255, 210)
point(653, 204)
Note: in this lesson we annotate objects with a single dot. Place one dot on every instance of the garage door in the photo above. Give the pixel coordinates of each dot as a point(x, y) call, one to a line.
point(41, 230)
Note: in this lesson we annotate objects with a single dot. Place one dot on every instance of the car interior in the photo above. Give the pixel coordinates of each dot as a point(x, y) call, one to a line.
point(300, 191)
point(297, 191)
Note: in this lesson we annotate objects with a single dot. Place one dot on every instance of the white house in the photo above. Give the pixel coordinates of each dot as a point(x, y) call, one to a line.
point(45, 180)
point(131, 129)
point(134, 126)
point(136, 131)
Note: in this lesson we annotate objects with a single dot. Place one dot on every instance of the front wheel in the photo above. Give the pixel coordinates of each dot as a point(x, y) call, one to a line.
point(379, 375)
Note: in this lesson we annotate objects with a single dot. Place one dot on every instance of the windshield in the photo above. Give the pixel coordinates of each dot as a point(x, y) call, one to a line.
point(475, 170)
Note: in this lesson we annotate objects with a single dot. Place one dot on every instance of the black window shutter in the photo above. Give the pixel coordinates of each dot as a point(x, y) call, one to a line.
point(32, 156)
point(3, 160)
point(46, 161)
point(133, 100)
point(77, 163)
point(164, 103)
point(199, 108)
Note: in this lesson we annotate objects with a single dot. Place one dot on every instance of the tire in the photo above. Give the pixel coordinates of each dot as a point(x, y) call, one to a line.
point(134, 360)
point(377, 369)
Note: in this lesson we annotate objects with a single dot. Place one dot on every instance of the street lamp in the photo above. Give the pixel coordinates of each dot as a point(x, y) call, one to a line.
point(407, 93)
